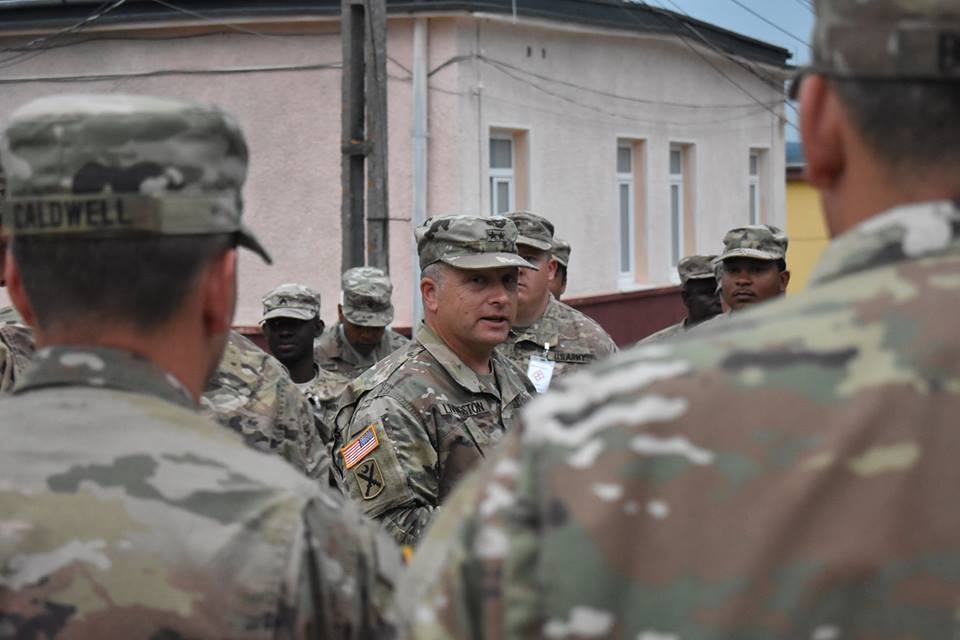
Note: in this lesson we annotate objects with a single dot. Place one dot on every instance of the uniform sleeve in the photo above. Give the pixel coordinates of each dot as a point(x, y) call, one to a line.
point(294, 419)
point(475, 574)
point(389, 463)
point(343, 574)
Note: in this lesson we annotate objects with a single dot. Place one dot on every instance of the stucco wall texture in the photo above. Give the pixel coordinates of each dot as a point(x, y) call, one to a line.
point(560, 88)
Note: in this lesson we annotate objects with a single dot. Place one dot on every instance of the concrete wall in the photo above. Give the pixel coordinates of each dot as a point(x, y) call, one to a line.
point(292, 121)
point(573, 131)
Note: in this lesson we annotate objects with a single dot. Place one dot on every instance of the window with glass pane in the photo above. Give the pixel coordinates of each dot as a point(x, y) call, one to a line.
point(754, 164)
point(754, 193)
point(676, 223)
point(624, 159)
point(501, 153)
point(625, 229)
point(676, 161)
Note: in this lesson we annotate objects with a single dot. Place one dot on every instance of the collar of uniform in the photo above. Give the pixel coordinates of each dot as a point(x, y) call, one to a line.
point(907, 232)
point(348, 354)
point(546, 330)
point(451, 362)
point(103, 367)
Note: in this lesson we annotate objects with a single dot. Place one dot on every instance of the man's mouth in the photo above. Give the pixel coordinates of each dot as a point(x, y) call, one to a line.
point(743, 294)
point(497, 320)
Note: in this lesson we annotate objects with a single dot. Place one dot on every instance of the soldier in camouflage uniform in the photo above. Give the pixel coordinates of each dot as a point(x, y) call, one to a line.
point(291, 321)
point(549, 338)
point(361, 336)
point(123, 512)
point(791, 474)
point(16, 338)
point(698, 290)
point(753, 267)
point(561, 255)
point(253, 394)
point(418, 420)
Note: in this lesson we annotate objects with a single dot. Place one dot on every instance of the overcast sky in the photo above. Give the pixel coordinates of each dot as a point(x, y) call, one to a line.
point(792, 16)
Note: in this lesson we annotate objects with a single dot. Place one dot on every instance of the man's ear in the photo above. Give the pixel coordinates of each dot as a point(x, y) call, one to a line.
point(319, 326)
point(429, 292)
point(340, 313)
point(784, 280)
point(821, 116)
point(16, 292)
point(552, 269)
point(218, 291)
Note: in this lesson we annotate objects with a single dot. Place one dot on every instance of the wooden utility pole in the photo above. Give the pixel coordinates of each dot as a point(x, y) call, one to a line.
point(364, 134)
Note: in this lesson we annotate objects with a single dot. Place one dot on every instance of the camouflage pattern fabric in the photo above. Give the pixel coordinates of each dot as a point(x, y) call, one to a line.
point(431, 418)
point(469, 242)
point(666, 333)
point(887, 39)
point(108, 164)
point(16, 348)
point(533, 230)
point(333, 352)
point(323, 393)
point(366, 297)
point(561, 251)
point(573, 338)
point(290, 300)
point(789, 475)
point(125, 514)
point(697, 268)
point(252, 393)
point(759, 241)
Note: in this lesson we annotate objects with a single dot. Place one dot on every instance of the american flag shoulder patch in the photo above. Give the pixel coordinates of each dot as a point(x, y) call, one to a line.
point(358, 448)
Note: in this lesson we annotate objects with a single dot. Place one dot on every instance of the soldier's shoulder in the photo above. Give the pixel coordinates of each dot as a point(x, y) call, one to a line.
point(394, 370)
point(667, 332)
point(397, 340)
point(583, 326)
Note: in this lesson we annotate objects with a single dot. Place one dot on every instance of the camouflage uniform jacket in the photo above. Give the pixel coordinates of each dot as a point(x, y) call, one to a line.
point(323, 393)
point(677, 329)
point(432, 418)
point(789, 475)
point(252, 393)
point(16, 347)
point(334, 352)
point(126, 514)
point(574, 340)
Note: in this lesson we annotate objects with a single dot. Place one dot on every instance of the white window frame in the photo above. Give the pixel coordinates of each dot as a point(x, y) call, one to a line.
point(500, 176)
point(627, 237)
point(754, 211)
point(677, 181)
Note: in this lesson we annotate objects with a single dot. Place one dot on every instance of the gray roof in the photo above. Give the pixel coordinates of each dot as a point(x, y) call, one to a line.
point(614, 14)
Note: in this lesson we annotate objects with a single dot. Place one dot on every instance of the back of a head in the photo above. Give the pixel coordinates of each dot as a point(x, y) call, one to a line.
point(895, 65)
point(116, 202)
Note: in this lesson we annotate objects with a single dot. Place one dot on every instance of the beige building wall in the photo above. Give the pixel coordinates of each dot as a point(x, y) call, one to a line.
point(558, 92)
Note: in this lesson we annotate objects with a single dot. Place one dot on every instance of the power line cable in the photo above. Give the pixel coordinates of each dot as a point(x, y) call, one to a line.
point(170, 72)
point(770, 22)
point(29, 50)
point(694, 50)
point(774, 84)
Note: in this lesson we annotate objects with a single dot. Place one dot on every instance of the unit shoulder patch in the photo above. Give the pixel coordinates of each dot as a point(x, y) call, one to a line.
point(370, 479)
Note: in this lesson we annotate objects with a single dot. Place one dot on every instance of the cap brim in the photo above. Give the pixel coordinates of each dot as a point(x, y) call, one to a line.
point(704, 276)
point(751, 253)
point(245, 238)
point(288, 312)
point(533, 242)
point(488, 261)
point(368, 318)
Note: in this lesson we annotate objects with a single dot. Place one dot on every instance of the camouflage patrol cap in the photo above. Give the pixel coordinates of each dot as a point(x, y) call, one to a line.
point(469, 242)
point(697, 268)
point(366, 297)
point(112, 165)
point(291, 300)
point(561, 251)
point(760, 241)
point(533, 230)
point(909, 39)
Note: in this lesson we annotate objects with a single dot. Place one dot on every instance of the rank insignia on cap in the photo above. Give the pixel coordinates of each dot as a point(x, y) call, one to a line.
point(370, 479)
point(358, 448)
